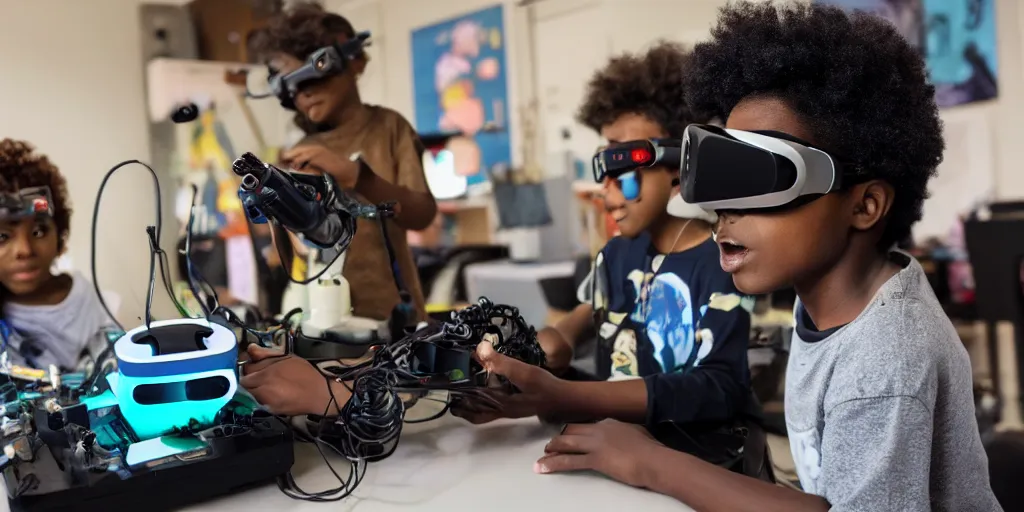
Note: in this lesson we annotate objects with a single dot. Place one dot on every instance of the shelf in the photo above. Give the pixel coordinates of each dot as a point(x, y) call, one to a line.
point(170, 82)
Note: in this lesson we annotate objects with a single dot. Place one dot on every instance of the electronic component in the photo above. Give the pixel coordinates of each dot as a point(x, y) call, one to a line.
point(322, 63)
point(93, 441)
point(26, 203)
point(174, 372)
point(305, 204)
point(623, 162)
point(725, 169)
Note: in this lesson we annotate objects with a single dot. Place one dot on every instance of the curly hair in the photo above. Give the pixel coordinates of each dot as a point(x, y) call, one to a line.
point(21, 167)
point(651, 84)
point(860, 87)
point(299, 30)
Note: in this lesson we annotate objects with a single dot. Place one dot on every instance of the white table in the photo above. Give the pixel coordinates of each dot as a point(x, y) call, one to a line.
point(515, 284)
point(451, 466)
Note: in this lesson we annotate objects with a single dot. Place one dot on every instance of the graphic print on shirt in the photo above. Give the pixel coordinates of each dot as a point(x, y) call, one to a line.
point(650, 309)
point(806, 448)
point(665, 311)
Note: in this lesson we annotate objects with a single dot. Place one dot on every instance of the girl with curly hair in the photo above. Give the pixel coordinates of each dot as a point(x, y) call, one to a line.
point(49, 318)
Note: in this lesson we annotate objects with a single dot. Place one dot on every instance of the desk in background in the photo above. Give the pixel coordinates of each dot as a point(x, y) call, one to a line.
point(515, 284)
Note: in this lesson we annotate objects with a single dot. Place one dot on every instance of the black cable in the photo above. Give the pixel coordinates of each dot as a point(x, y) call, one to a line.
point(192, 272)
point(95, 222)
point(153, 233)
point(287, 264)
point(153, 245)
point(447, 406)
point(346, 487)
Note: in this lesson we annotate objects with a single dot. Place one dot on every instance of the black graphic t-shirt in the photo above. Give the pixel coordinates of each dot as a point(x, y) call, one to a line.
point(678, 322)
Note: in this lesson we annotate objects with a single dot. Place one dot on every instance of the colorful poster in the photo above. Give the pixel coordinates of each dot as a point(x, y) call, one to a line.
point(957, 37)
point(461, 86)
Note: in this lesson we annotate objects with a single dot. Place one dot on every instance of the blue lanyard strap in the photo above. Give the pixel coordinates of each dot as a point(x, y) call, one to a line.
point(5, 331)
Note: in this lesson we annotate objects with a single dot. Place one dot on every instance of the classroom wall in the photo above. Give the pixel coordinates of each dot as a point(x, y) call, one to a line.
point(72, 84)
point(572, 37)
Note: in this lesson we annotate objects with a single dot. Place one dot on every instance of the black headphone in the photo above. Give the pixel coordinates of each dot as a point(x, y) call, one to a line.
point(185, 113)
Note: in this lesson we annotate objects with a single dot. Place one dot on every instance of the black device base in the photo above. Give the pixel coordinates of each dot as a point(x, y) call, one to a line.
point(245, 461)
point(334, 345)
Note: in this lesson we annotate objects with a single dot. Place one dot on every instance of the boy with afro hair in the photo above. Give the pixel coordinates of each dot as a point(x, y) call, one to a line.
point(49, 318)
point(338, 124)
point(672, 331)
point(879, 403)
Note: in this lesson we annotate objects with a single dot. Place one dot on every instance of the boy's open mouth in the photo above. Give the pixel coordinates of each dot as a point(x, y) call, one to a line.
point(732, 249)
point(732, 255)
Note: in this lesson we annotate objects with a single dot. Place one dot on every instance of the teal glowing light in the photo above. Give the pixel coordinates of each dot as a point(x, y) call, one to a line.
point(171, 403)
point(173, 374)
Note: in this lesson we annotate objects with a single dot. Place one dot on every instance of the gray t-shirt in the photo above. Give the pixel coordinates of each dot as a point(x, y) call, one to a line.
point(67, 334)
point(880, 412)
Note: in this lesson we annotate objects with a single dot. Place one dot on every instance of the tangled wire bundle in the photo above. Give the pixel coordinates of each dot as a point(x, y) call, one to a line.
point(438, 357)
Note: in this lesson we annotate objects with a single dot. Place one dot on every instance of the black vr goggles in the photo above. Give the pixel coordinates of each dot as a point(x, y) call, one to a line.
point(621, 162)
point(26, 203)
point(327, 61)
point(723, 169)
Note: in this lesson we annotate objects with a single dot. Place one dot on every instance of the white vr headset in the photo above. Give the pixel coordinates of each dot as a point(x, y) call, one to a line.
point(724, 169)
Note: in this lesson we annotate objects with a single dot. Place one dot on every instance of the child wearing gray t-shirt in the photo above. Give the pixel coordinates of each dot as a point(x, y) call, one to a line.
point(880, 411)
point(831, 136)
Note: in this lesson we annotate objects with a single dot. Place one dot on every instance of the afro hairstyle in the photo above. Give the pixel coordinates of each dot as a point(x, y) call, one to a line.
point(650, 85)
point(21, 167)
point(300, 30)
point(860, 87)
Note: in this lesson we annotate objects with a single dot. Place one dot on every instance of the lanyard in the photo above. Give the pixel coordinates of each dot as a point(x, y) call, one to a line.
point(5, 331)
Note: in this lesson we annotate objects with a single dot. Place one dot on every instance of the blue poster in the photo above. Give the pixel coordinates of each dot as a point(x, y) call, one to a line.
point(957, 38)
point(460, 82)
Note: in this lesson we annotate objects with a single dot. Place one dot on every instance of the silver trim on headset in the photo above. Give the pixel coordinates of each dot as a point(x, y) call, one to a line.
point(815, 172)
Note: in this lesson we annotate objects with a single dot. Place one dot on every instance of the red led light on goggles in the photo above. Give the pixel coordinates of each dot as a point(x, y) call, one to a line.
point(619, 159)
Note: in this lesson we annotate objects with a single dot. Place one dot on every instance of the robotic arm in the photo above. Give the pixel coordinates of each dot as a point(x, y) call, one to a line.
point(312, 206)
point(304, 204)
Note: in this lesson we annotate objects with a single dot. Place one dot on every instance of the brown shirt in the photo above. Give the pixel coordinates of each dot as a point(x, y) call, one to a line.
point(392, 149)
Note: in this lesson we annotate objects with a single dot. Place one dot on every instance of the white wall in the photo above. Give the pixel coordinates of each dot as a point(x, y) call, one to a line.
point(72, 85)
point(574, 36)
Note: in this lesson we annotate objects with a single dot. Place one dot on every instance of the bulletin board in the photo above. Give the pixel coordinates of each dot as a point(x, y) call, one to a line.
point(460, 81)
point(957, 38)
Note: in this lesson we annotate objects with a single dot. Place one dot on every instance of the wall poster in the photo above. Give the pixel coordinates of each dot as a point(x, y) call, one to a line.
point(957, 38)
point(460, 83)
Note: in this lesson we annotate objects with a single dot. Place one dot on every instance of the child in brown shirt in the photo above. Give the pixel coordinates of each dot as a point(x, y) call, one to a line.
point(339, 124)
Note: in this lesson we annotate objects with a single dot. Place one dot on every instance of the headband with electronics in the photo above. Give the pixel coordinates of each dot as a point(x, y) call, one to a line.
point(724, 169)
point(26, 203)
point(322, 63)
point(622, 162)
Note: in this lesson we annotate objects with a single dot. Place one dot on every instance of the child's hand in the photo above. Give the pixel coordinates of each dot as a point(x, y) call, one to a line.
point(538, 390)
point(286, 385)
point(557, 351)
point(618, 450)
point(314, 157)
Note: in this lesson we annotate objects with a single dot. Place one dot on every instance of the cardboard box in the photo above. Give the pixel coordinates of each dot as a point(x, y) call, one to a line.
point(223, 26)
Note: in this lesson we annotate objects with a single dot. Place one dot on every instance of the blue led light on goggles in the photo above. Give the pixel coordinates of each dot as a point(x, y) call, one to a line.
point(26, 203)
point(623, 162)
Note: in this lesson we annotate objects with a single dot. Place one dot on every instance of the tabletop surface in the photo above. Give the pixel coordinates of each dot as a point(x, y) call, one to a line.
point(452, 466)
